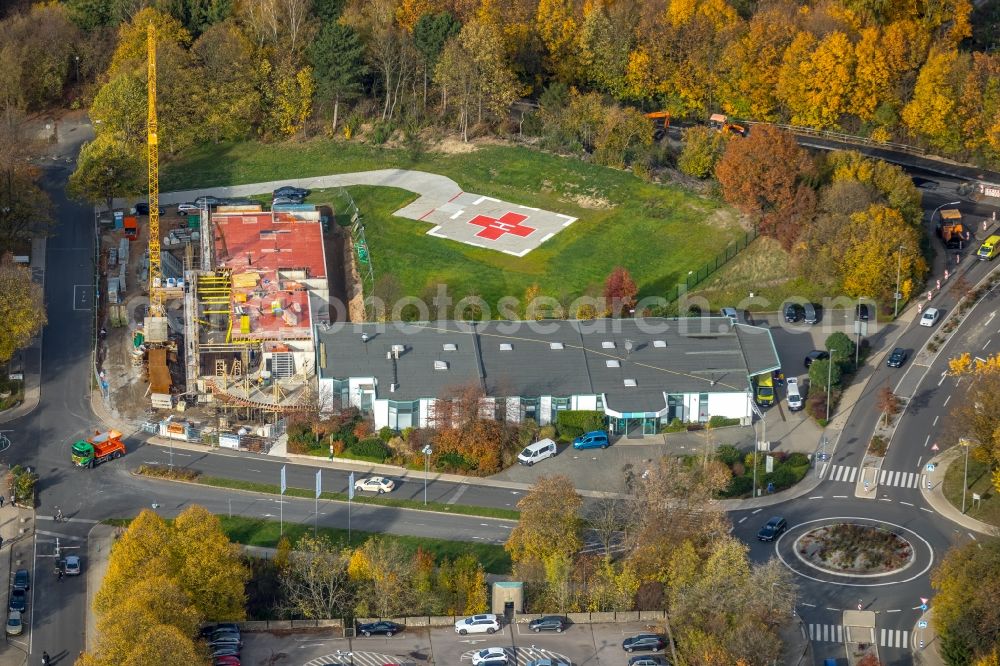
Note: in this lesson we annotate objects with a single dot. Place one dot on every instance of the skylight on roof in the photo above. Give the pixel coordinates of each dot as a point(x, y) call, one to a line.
point(506, 346)
point(659, 343)
point(440, 365)
point(613, 363)
point(556, 345)
point(630, 383)
point(449, 346)
point(608, 344)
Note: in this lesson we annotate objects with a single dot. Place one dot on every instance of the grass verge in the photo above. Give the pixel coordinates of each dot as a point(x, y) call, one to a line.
point(988, 509)
point(265, 533)
point(658, 232)
point(274, 489)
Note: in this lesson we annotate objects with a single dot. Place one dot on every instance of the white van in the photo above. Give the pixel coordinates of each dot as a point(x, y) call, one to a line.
point(533, 453)
point(794, 397)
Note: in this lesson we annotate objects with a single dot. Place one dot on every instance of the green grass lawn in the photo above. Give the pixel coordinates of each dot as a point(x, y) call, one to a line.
point(658, 233)
point(988, 510)
point(258, 532)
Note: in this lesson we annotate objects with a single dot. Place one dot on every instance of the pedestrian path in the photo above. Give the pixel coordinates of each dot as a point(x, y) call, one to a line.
point(849, 474)
point(901, 479)
point(843, 473)
point(834, 633)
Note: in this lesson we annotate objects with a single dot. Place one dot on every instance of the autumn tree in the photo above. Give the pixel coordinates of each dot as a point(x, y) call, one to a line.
point(556, 23)
point(315, 580)
point(37, 47)
point(979, 107)
point(549, 527)
point(871, 265)
point(887, 183)
point(430, 34)
point(888, 403)
point(767, 174)
point(619, 292)
point(383, 573)
point(816, 79)
point(338, 65)
point(605, 40)
point(467, 432)
point(610, 520)
point(105, 170)
point(977, 417)
point(623, 136)
point(930, 113)
point(463, 582)
point(21, 305)
point(966, 615)
point(703, 147)
point(229, 103)
point(25, 209)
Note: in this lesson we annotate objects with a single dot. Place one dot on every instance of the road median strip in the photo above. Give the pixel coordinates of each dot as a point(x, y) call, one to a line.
point(193, 476)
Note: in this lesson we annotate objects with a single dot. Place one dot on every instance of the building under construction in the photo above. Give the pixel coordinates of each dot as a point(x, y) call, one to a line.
point(250, 310)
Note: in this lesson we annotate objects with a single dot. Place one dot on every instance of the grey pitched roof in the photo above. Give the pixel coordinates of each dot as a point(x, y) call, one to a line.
point(702, 355)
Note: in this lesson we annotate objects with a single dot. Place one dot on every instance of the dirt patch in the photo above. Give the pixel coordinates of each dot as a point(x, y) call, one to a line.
point(354, 290)
point(452, 146)
point(725, 218)
point(589, 202)
point(854, 549)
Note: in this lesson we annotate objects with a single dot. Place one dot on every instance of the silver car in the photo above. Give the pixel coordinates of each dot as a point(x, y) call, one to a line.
point(486, 623)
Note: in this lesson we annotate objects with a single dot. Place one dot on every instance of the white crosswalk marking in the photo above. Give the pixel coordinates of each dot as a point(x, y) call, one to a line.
point(843, 473)
point(357, 658)
point(894, 638)
point(826, 633)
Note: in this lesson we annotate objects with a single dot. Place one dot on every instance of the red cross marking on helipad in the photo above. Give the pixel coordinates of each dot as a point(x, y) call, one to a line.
point(494, 228)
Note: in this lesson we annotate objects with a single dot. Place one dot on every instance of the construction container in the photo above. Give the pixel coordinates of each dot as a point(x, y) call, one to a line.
point(194, 221)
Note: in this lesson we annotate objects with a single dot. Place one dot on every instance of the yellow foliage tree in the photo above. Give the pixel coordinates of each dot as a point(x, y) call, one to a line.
point(550, 522)
point(930, 113)
point(979, 107)
point(144, 547)
point(208, 566)
point(410, 11)
point(558, 28)
point(749, 66)
point(816, 79)
point(871, 263)
point(133, 38)
point(21, 306)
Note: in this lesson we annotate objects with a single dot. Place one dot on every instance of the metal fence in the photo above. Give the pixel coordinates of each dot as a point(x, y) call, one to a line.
point(846, 138)
point(694, 278)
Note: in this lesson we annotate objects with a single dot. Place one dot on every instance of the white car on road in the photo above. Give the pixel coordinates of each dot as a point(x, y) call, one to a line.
point(188, 208)
point(494, 655)
point(478, 624)
point(930, 317)
point(792, 391)
point(375, 484)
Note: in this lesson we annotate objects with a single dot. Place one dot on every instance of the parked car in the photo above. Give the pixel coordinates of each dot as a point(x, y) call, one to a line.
point(22, 580)
point(72, 565)
point(792, 391)
point(897, 358)
point(18, 600)
point(537, 452)
point(491, 655)
point(229, 660)
point(225, 651)
point(225, 639)
point(210, 629)
point(381, 627)
point(207, 200)
point(289, 191)
point(142, 208)
point(648, 660)
point(238, 201)
point(14, 624)
point(597, 439)
point(731, 314)
point(772, 529)
point(487, 623)
point(930, 317)
point(281, 201)
point(188, 208)
point(861, 312)
point(547, 662)
point(375, 484)
point(815, 355)
point(793, 312)
point(554, 623)
point(651, 642)
point(810, 313)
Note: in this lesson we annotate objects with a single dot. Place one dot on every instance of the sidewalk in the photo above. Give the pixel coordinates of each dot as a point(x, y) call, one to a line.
point(17, 530)
point(935, 496)
point(99, 542)
point(32, 354)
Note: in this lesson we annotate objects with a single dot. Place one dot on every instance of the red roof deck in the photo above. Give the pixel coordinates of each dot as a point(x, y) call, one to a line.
point(268, 241)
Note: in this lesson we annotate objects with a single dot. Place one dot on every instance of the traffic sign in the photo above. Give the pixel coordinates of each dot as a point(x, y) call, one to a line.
point(923, 607)
point(935, 447)
point(922, 624)
point(924, 600)
point(931, 467)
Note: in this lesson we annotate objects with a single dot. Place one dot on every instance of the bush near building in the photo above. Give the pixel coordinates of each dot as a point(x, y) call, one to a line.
point(573, 423)
point(788, 469)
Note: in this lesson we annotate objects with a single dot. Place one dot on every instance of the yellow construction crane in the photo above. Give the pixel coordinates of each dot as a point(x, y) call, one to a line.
point(155, 274)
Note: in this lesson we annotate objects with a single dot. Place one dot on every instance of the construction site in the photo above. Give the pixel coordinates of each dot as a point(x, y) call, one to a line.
point(207, 317)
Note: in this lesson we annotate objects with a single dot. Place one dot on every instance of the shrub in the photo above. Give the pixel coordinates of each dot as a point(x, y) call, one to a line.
point(453, 462)
point(797, 459)
point(567, 433)
point(722, 422)
point(729, 455)
point(338, 446)
point(385, 433)
point(878, 446)
point(547, 432)
point(381, 132)
point(371, 448)
point(782, 477)
point(579, 420)
point(738, 486)
point(164, 472)
point(674, 426)
point(406, 433)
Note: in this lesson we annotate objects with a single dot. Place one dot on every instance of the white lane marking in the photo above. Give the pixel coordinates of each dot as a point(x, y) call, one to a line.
point(926, 509)
point(936, 420)
point(895, 610)
point(816, 497)
point(906, 503)
point(743, 518)
point(927, 441)
point(756, 511)
point(972, 536)
point(946, 401)
point(941, 381)
point(840, 497)
point(987, 343)
point(458, 493)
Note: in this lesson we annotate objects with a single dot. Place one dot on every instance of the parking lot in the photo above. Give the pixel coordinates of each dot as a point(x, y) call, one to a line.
point(578, 645)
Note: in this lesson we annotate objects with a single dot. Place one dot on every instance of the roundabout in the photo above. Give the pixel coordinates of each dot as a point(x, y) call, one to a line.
point(853, 551)
point(849, 549)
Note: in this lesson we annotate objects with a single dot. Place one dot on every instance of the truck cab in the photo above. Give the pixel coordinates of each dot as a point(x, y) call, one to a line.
point(764, 390)
point(100, 447)
point(989, 249)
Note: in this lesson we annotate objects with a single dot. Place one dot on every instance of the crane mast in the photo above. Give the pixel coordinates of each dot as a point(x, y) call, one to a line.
point(155, 275)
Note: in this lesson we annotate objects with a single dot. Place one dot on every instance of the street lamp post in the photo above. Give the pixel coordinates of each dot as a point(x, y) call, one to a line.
point(829, 380)
point(899, 269)
point(77, 59)
point(950, 203)
point(427, 451)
